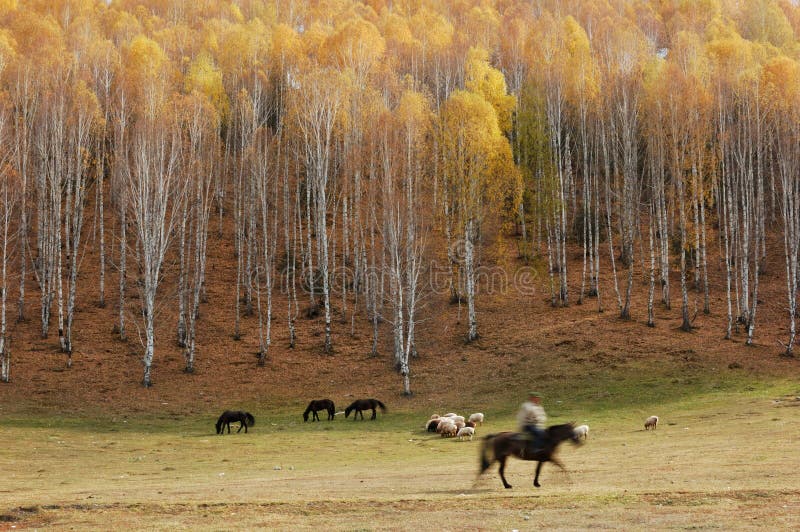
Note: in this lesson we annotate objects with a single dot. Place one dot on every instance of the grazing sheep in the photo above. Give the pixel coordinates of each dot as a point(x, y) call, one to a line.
point(470, 424)
point(476, 418)
point(435, 416)
point(460, 425)
point(441, 424)
point(430, 426)
point(446, 429)
point(581, 431)
point(466, 432)
point(651, 423)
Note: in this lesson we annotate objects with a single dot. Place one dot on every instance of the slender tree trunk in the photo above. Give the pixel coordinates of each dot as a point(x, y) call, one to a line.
point(652, 286)
point(469, 267)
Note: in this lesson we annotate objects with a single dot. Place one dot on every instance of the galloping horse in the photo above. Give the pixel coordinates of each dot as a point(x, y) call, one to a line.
point(316, 406)
point(364, 404)
point(505, 444)
point(245, 419)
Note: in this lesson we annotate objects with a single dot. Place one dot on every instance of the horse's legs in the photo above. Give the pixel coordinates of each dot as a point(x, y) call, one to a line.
point(360, 412)
point(502, 460)
point(536, 478)
point(241, 424)
point(228, 423)
point(374, 414)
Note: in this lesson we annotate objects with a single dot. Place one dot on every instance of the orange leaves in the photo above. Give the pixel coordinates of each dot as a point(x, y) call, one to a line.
point(357, 45)
point(432, 30)
point(764, 21)
point(7, 6)
point(144, 59)
point(38, 38)
point(414, 111)
point(84, 104)
point(7, 49)
point(780, 79)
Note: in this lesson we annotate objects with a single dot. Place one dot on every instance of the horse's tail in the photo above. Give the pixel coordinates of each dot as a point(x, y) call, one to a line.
point(383, 406)
point(487, 458)
point(250, 420)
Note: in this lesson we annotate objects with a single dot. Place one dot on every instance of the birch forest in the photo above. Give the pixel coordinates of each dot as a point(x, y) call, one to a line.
point(345, 147)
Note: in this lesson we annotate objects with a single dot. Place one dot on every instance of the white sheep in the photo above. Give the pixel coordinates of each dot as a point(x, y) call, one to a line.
point(460, 425)
point(466, 432)
point(451, 415)
point(434, 416)
point(651, 423)
point(476, 418)
point(447, 429)
point(581, 431)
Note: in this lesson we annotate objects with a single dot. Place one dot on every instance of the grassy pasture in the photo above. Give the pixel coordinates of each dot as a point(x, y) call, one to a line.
point(720, 459)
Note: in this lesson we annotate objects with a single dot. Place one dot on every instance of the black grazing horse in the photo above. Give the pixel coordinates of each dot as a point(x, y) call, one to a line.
point(245, 419)
point(316, 406)
point(505, 444)
point(364, 404)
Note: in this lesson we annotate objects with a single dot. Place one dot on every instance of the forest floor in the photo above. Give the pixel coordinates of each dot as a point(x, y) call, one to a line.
point(524, 343)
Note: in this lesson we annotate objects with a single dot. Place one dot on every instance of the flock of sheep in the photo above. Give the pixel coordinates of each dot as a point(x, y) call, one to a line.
point(454, 426)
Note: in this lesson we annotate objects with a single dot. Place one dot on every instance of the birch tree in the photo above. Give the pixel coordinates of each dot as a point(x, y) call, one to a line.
point(9, 194)
point(85, 117)
point(154, 186)
point(200, 155)
point(782, 93)
point(401, 166)
point(316, 104)
point(477, 168)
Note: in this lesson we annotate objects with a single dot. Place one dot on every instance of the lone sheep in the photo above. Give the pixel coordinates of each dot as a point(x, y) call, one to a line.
point(651, 423)
point(476, 418)
point(581, 431)
point(466, 432)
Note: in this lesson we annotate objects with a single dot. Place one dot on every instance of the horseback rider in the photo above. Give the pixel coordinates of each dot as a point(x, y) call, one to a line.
point(532, 419)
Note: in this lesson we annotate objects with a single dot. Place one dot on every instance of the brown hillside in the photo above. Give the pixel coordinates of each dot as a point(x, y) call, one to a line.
point(524, 342)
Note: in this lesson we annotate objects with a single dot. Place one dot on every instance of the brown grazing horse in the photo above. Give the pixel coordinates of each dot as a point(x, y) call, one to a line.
point(505, 444)
point(316, 406)
point(245, 419)
point(359, 405)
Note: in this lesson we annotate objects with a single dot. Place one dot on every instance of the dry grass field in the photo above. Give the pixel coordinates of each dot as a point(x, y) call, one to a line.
point(718, 461)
